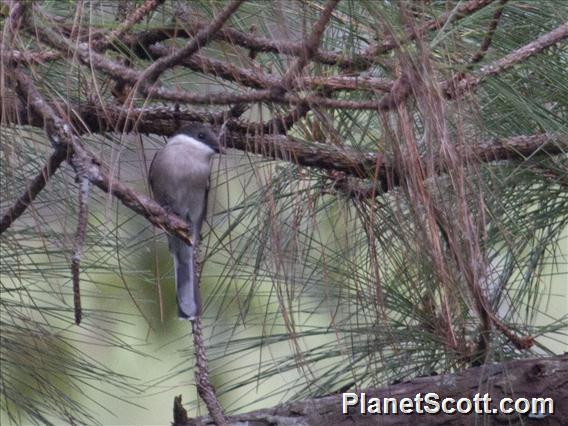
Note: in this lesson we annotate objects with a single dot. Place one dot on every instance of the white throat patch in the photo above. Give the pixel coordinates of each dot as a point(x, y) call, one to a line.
point(188, 141)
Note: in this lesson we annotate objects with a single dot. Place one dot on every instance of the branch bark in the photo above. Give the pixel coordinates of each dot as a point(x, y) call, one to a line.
point(528, 378)
point(546, 40)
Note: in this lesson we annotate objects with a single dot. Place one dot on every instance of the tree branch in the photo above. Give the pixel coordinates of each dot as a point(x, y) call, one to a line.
point(129, 75)
point(460, 12)
point(527, 378)
point(310, 47)
point(546, 40)
point(262, 44)
point(61, 134)
point(136, 16)
point(165, 121)
point(82, 221)
point(33, 189)
point(153, 72)
point(205, 388)
point(489, 34)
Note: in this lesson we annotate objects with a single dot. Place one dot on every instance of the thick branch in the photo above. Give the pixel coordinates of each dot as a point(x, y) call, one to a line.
point(528, 378)
point(165, 121)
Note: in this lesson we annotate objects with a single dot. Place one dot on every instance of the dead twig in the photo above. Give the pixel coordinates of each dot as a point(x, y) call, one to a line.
point(33, 189)
point(205, 388)
point(153, 72)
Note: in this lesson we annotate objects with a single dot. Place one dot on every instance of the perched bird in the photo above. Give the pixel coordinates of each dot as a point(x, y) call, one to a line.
point(179, 179)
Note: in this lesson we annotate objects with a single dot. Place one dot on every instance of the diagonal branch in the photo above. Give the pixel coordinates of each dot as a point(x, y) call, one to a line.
point(311, 45)
point(136, 16)
point(33, 189)
point(154, 71)
point(489, 35)
point(61, 134)
point(546, 40)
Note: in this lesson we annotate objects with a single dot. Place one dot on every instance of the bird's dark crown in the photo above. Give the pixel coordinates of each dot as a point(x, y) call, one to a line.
point(202, 133)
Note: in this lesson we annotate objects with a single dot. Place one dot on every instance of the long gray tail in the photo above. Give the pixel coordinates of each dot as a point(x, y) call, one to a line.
point(187, 290)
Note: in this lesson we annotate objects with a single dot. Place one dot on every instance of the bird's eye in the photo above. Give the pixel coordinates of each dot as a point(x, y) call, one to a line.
point(201, 136)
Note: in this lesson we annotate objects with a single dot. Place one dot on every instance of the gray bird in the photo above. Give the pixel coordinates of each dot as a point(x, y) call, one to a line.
point(179, 179)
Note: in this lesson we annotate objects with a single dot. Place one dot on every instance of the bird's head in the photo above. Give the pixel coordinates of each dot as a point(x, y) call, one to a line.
point(201, 133)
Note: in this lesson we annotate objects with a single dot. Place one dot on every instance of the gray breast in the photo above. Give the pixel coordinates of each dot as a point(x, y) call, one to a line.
point(179, 176)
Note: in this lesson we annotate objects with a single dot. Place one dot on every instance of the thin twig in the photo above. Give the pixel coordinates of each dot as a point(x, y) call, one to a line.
point(136, 16)
point(310, 46)
point(205, 388)
point(33, 189)
point(153, 72)
point(488, 35)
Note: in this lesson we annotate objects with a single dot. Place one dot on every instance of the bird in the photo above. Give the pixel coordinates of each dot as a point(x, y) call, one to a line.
point(179, 181)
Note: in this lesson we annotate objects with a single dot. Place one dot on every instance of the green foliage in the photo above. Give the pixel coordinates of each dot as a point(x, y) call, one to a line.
point(308, 288)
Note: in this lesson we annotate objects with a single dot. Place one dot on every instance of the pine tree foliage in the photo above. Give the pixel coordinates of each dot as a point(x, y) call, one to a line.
point(393, 203)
